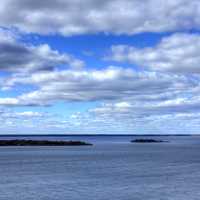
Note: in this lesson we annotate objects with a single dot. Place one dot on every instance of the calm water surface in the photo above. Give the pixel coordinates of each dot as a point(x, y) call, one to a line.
point(112, 169)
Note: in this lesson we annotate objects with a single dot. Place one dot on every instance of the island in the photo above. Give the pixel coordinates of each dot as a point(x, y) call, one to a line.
point(146, 141)
point(23, 142)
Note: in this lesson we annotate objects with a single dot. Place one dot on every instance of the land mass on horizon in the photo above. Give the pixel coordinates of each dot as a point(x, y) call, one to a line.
point(42, 143)
point(146, 141)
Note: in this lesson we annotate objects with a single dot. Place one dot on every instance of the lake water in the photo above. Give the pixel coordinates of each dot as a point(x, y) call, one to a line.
point(112, 169)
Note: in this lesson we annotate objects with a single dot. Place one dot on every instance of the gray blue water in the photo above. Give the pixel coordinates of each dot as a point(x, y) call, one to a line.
point(112, 169)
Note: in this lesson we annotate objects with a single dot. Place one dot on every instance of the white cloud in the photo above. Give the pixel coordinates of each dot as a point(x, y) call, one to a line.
point(176, 53)
point(92, 16)
point(9, 101)
point(29, 114)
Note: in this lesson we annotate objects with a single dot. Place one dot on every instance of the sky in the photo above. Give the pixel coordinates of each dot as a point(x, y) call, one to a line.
point(100, 67)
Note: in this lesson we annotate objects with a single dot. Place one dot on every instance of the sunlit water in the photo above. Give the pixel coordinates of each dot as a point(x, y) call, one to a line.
point(112, 169)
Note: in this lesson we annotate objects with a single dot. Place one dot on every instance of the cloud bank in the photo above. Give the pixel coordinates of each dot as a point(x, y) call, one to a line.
point(93, 16)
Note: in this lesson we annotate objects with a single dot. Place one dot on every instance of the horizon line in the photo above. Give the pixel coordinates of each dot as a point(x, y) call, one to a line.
point(63, 135)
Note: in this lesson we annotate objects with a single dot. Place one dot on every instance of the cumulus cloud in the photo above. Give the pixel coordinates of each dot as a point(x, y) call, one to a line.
point(112, 83)
point(92, 16)
point(16, 56)
point(177, 53)
point(132, 100)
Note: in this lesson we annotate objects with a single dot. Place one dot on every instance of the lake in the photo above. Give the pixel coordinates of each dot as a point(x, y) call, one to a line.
point(112, 169)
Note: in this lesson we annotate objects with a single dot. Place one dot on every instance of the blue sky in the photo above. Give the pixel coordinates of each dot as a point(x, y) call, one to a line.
point(99, 67)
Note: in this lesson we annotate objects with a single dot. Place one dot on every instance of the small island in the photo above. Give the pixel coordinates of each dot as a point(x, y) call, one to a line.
point(42, 143)
point(146, 141)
